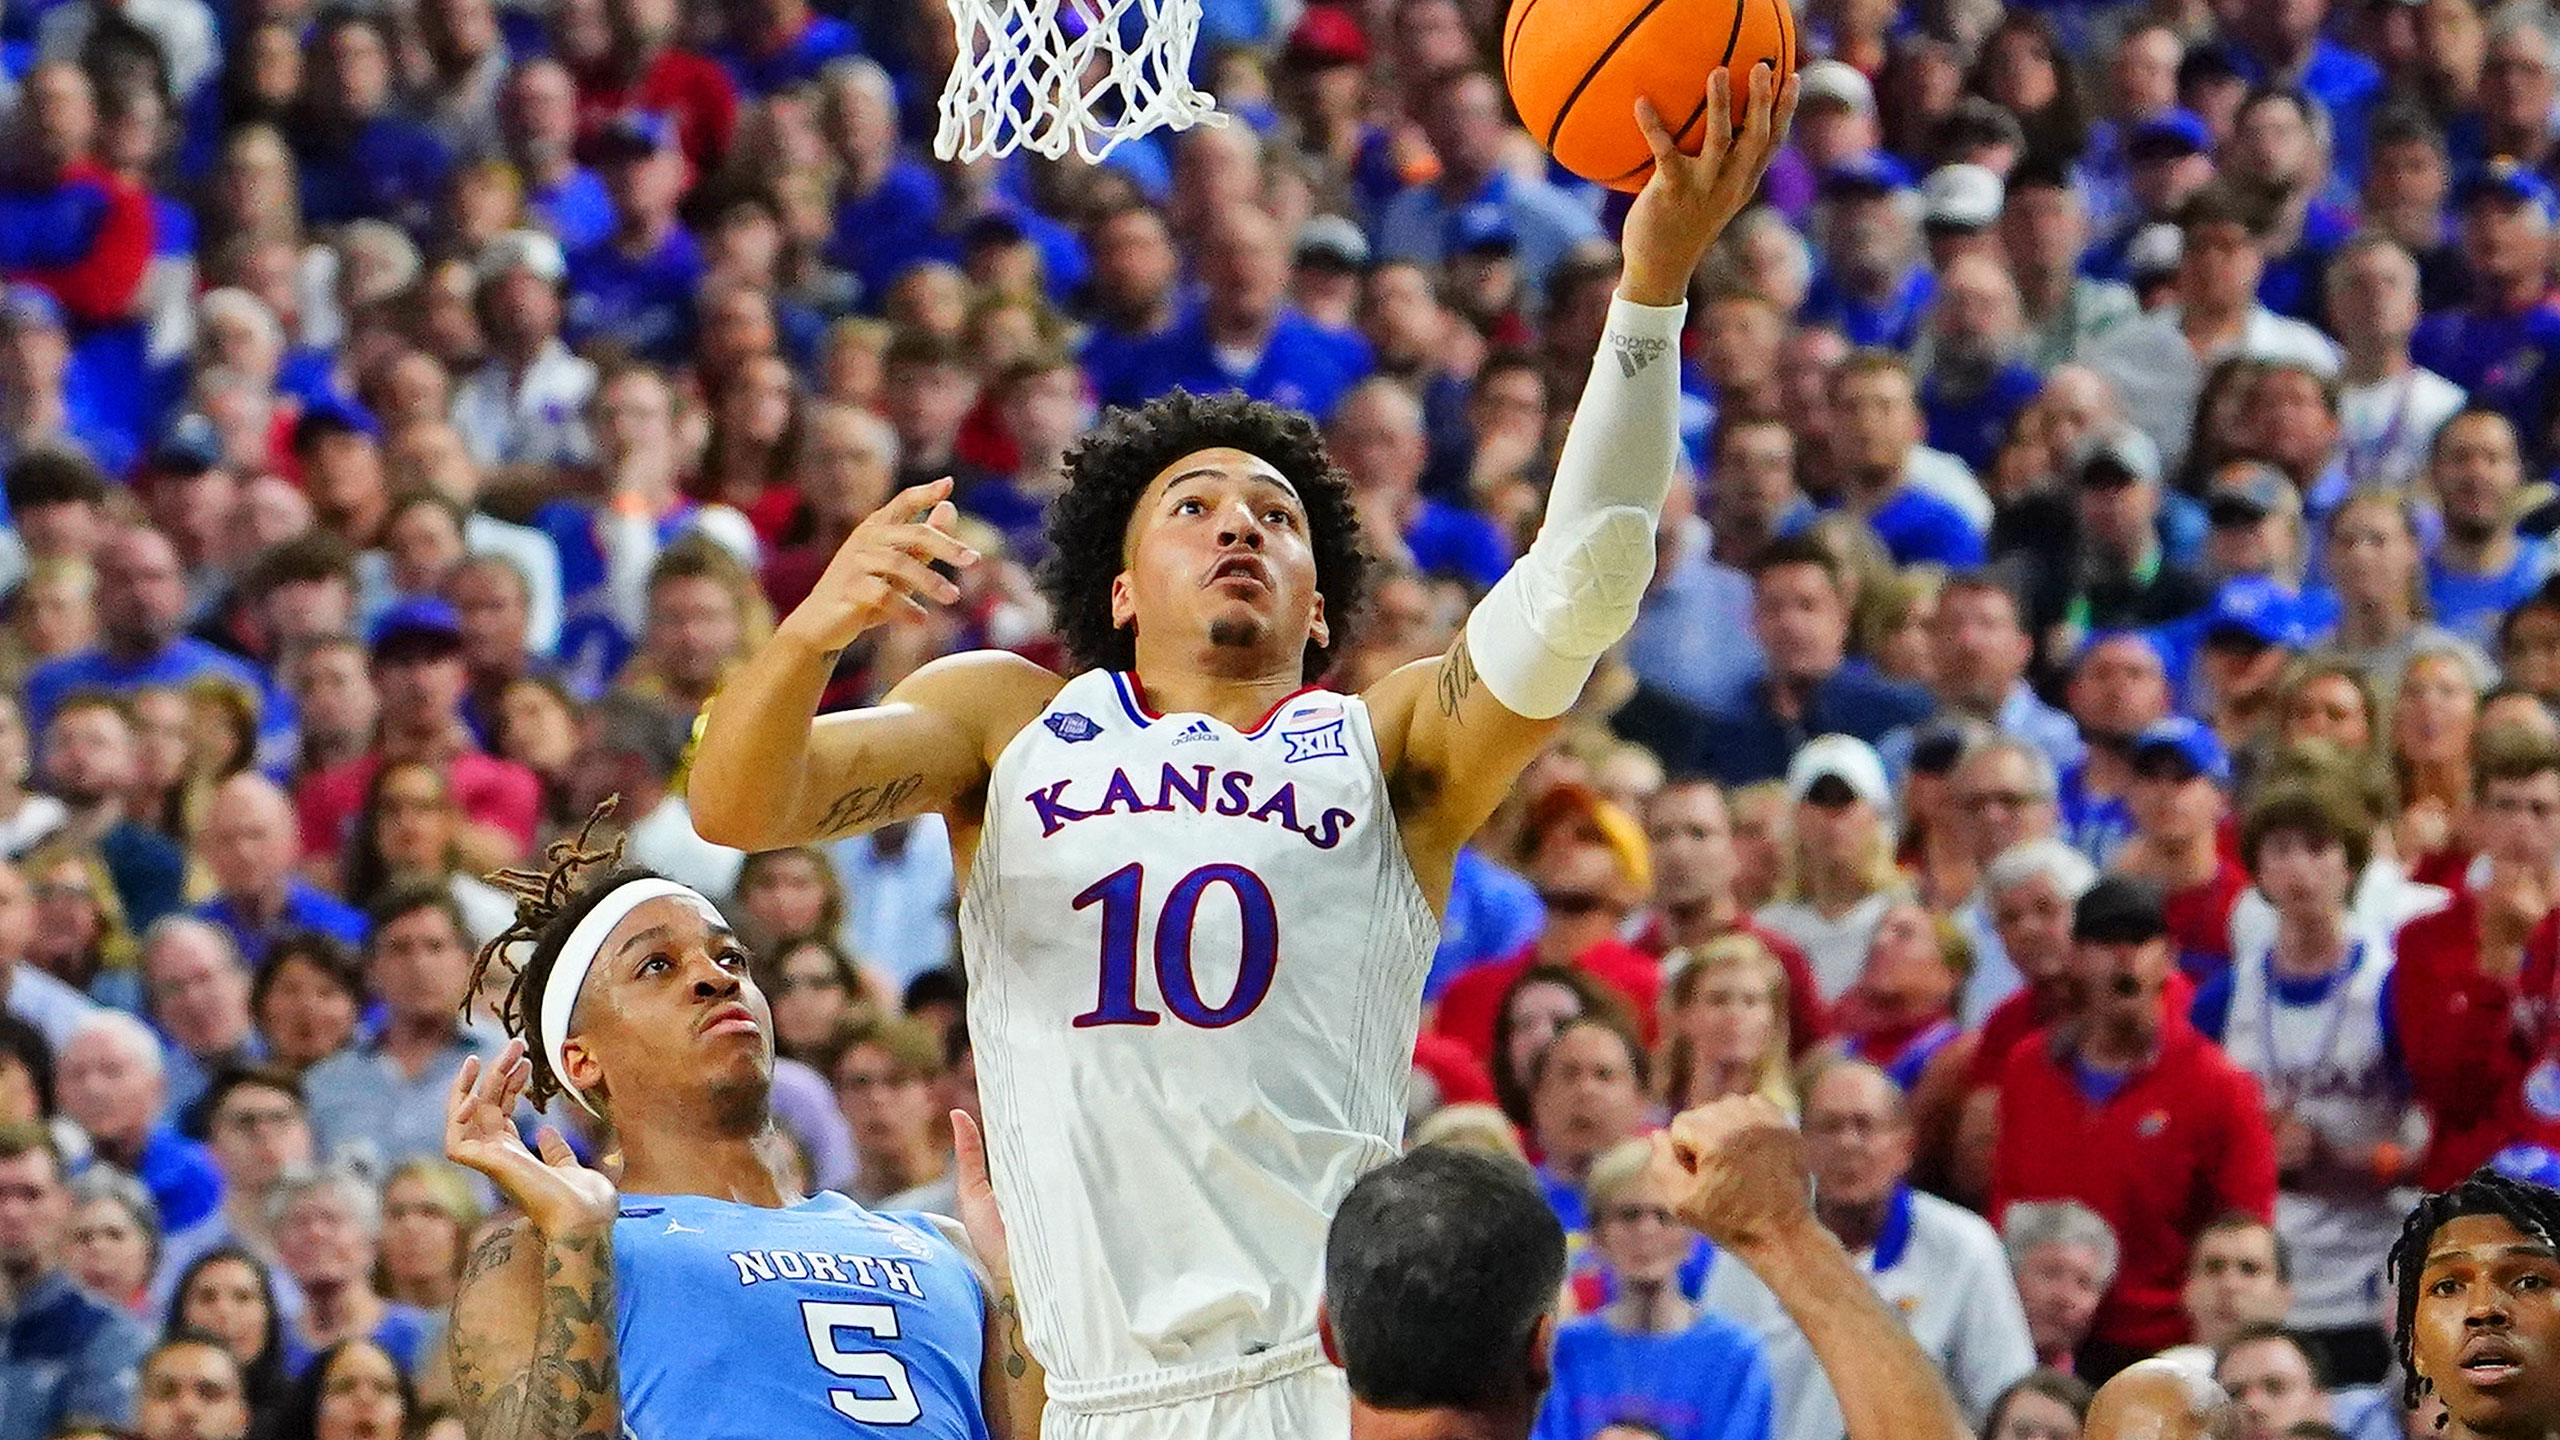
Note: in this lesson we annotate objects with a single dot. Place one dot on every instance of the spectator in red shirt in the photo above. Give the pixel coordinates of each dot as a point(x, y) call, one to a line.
point(418, 669)
point(2130, 1111)
point(67, 224)
point(2028, 890)
point(643, 69)
point(2461, 969)
point(2179, 797)
point(1688, 833)
point(1588, 860)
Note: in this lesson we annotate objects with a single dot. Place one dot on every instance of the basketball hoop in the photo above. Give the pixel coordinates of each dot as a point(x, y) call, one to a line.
point(1051, 76)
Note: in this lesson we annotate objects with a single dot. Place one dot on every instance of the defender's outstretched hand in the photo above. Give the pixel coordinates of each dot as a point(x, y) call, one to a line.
point(1689, 199)
point(886, 567)
point(978, 1213)
point(560, 1196)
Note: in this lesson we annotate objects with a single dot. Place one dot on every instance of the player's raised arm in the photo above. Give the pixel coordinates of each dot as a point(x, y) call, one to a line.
point(532, 1337)
point(1472, 719)
point(767, 773)
point(1736, 1172)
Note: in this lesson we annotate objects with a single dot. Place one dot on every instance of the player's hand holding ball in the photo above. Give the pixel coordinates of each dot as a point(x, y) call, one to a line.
point(560, 1196)
point(1684, 102)
point(1736, 1172)
point(885, 569)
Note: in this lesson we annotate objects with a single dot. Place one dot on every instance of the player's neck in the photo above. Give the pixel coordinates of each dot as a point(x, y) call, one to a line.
point(1509, 1420)
point(1242, 699)
point(674, 1160)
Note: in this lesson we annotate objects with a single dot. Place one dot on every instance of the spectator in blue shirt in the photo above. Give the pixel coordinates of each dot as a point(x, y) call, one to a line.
point(1872, 285)
point(45, 403)
point(251, 842)
point(2503, 347)
point(2285, 44)
point(2480, 567)
point(1132, 294)
point(1245, 335)
point(1800, 609)
point(142, 612)
point(887, 202)
point(2168, 157)
point(1877, 424)
point(1978, 379)
point(773, 43)
point(359, 159)
point(90, 760)
point(635, 289)
point(114, 1086)
point(538, 133)
point(1376, 437)
point(65, 1352)
point(1462, 112)
point(1652, 1355)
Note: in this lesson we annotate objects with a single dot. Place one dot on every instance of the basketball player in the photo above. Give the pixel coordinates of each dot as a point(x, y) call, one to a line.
point(1442, 1269)
point(1200, 895)
point(2478, 1268)
point(703, 1301)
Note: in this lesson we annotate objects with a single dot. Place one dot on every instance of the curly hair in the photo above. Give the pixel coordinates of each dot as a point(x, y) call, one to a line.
point(1112, 467)
point(550, 901)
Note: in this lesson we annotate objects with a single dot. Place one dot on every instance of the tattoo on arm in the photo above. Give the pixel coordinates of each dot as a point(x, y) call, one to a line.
point(1017, 1357)
point(570, 1387)
point(1457, 677)
point(868, 804)
point(489, 1255)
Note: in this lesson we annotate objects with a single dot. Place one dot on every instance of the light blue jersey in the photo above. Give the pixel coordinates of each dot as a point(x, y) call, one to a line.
point(741, 1322)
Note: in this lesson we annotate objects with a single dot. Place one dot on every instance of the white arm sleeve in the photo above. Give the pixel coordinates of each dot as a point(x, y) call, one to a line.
point(1537, 634)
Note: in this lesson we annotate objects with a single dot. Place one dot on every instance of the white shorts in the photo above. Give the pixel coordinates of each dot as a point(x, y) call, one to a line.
point(1307, 1402)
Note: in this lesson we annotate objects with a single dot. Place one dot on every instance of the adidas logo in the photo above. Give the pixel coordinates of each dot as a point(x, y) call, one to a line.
point(1196, 730)
point(1635, 353)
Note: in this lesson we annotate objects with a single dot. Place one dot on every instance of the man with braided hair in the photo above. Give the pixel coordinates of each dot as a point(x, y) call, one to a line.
point(1200, 894)
point(2478, 1269)
point(700, 1297)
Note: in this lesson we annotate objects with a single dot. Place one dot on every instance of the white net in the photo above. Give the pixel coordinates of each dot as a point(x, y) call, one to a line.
point(1051, 76)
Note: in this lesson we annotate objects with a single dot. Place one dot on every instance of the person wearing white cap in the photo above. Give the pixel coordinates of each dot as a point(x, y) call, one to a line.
point(527, 405)
point(1845, 878)
point(1958, 206)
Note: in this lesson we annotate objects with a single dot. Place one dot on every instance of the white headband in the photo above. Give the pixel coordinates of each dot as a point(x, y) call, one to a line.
point(578, 956)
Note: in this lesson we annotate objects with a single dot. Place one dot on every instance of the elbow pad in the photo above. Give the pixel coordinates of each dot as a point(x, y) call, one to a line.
point(1537, 635)
point(1539, 632)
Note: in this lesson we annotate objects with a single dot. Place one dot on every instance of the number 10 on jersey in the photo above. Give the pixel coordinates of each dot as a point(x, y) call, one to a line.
point(1121, 893)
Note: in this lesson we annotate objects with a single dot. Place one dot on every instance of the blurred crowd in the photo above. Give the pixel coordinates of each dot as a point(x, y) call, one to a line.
point(2089, 750)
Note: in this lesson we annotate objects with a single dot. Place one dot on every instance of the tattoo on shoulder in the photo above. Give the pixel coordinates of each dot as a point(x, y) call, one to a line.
point(1457, 677)
point(869, 804)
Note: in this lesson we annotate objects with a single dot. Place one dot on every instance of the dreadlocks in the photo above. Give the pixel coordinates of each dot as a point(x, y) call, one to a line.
point(550, 901)
point(2533, 1209)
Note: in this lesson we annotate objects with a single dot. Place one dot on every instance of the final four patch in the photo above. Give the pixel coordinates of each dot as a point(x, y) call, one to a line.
point(1071, 727)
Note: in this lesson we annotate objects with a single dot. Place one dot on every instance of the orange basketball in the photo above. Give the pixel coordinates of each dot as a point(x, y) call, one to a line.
point(1575, 68)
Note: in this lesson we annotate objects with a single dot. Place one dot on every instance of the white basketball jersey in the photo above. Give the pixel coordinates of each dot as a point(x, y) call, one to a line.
point(1195, 958)
point(2327, 1064)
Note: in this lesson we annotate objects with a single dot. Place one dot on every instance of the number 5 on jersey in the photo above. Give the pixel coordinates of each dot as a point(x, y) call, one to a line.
point(1121, 894)
point(824, 1318)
